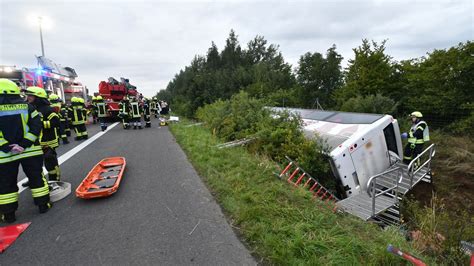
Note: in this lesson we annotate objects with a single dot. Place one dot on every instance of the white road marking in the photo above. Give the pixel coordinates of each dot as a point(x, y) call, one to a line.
point(70, 153)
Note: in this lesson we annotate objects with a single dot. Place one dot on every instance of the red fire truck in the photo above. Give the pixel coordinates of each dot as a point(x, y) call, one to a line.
point(113, 91)
point(52, 77)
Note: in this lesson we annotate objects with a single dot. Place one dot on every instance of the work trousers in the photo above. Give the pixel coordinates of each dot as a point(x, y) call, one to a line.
point(33, 168)
point(51, 163)
point(81, 131)
point(411, 153)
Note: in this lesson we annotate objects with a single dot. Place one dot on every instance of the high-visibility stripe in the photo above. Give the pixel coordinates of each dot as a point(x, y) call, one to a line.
point(34, 114)
point(8, 198)
point(31, 137)
point(28, 152)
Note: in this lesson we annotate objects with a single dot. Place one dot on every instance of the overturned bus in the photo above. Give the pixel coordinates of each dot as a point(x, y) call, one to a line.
point(361, 145)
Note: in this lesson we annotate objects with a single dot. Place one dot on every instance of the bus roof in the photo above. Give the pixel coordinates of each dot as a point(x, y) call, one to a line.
point(333, 126)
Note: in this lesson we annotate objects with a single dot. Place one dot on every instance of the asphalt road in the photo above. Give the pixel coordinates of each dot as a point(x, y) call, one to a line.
point(161, 215)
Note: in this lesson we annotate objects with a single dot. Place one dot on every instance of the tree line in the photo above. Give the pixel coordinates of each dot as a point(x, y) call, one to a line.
point(440, 84)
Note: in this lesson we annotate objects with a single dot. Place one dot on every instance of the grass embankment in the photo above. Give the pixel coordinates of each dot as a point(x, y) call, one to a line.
point(281, 224)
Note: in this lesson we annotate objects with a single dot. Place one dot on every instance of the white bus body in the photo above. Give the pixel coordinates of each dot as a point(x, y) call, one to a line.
point(361, 145)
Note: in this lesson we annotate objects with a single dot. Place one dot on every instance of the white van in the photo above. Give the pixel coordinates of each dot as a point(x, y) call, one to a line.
point(361, 145)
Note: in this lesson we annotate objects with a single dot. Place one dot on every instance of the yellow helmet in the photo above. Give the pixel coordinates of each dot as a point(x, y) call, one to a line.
point(94, 98)
point(99, 98)
point(75, 100)
point(8, 87)
point(37, 91)
point(416, 114)
point(53, 97)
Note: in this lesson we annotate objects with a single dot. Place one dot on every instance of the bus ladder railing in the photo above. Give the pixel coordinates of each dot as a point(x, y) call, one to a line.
point(298, 177)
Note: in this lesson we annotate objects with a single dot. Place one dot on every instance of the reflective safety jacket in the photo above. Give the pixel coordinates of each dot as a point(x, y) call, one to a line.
point(100, 109)
point(146, 109)
point(136, 110)
point(419, 133)
point(20, 124)
point(77, 113)
point(124, 107)
point(49, 134)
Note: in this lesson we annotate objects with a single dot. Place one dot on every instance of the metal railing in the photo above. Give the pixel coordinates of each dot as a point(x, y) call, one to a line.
point(372, 186)
point(415, 165)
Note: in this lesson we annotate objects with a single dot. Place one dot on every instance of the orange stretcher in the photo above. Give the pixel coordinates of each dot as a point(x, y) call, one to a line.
point(103, 180)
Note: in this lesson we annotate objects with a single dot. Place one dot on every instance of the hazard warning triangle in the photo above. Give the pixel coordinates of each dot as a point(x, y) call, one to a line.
point(8, 234)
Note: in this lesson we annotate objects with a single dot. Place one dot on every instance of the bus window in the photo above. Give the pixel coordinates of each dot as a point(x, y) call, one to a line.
point(390, 138)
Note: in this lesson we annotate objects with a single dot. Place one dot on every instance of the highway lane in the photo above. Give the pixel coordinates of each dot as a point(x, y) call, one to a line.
point(162, 214)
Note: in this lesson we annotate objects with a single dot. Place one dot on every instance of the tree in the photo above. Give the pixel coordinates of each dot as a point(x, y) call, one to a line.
point(370, 72)
point(319, 76)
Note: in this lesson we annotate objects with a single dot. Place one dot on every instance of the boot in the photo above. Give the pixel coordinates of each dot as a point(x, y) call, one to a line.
point(85, 137)
point(103, 128)
point(8, 217)
point(44, 208)
point(77, 138)
point(65, 141)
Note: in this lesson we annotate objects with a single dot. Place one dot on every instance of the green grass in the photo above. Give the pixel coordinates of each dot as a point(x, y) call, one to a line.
point(281, 224)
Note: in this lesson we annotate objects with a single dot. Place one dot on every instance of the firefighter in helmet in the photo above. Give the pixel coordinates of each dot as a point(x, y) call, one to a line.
point(94, 109)
point(417, 136)
point(124, 114)
point(136, 113)
point(147, 112)
point(78, 115)
point(20, 128)
point(57, 107)
point(101, 112)
point(49, 135)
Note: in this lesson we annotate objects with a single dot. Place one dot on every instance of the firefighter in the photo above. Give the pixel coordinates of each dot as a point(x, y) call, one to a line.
point(417, 136)
point(124, 114)
point(136, 113)
point(56, 105)
point(78, 115)
point(20, 128)
point(93, 108)
point(164, 108)
point(147, 112)
point(152, 104)
point(49, 135)
point(101, 111)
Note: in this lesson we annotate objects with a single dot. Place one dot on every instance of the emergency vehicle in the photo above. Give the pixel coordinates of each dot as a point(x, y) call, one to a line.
point(48, 75)
point(113, 91)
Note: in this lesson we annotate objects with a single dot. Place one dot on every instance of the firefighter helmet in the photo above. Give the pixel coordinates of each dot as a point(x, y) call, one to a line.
point(8, 87)
point(416, 114)
point(53, 97)
point(36, 91)
point(98, 98)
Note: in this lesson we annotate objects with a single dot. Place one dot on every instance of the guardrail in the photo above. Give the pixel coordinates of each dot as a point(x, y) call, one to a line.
point(414, 167)
point(372, 184)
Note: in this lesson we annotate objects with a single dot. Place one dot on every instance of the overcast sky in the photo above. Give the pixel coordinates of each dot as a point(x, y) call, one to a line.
point(150, 41)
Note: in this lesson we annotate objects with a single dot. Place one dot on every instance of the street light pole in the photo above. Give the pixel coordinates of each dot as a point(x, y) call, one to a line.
point(40, 19)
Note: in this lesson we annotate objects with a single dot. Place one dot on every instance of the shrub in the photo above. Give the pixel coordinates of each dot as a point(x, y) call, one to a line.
point(378, 104)
point(275, 135)
point(436, 232)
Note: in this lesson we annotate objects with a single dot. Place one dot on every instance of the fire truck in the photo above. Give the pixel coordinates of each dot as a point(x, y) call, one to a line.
point(113, 91)
point(48, 75)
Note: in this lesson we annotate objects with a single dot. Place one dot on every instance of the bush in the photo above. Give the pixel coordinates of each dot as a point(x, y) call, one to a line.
point(438, 233)
point(275, 136)
point(378, 104)
point(462, 127)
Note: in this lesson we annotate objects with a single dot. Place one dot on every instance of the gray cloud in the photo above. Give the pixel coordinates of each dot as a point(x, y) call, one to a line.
point(150, 41)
